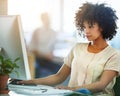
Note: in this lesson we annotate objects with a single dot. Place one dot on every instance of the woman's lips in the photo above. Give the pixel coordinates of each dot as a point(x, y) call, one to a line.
point(88, 36)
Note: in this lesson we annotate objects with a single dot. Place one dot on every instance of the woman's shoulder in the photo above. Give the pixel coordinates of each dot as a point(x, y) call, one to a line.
point(80, 45)
point(113, 50)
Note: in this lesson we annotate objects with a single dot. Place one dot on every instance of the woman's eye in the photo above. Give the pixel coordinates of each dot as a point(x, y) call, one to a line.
point(90, 26)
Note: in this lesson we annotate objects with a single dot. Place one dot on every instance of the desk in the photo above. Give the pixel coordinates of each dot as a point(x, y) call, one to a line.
point(11, 93)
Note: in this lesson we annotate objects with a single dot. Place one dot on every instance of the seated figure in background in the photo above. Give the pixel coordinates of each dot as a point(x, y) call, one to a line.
point(42, 45)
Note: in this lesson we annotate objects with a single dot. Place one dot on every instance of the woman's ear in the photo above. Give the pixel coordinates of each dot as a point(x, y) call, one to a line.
point(101, 30)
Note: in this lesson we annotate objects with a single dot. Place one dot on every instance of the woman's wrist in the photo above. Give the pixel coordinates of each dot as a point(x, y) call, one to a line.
point(33, 81)
point(74, 88)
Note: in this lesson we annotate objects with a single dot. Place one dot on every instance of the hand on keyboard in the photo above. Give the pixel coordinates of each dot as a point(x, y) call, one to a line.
point(17, 82)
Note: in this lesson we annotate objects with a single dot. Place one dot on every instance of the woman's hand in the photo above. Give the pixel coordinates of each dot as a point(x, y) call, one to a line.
point(26, 82)
point(65, 87)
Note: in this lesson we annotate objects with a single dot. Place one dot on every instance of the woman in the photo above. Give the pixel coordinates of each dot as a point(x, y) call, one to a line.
point(94, 65)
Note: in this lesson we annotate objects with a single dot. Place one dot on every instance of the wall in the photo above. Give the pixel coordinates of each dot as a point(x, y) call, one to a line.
point(3, 7)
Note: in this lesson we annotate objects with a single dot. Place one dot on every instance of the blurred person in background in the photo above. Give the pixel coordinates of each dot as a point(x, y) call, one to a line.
point(42, 45)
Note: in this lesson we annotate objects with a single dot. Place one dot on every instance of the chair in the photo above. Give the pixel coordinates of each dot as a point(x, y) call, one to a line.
point(117, 87)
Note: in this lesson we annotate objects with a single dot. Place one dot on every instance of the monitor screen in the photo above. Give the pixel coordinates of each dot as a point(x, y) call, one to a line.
point(12, 45)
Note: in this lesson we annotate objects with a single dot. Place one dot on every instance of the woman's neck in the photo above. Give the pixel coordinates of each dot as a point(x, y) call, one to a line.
point(96, 47)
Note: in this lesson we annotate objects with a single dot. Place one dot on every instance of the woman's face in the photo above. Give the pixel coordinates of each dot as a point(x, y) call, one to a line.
point(92, 32)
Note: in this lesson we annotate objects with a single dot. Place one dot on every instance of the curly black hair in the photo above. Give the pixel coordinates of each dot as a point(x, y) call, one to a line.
point(97, 13)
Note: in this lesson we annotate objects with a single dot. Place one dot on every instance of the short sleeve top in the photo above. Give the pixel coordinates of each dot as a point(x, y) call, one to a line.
point(87, 67)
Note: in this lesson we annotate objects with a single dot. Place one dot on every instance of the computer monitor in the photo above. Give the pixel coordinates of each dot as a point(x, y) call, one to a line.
point(12, 44)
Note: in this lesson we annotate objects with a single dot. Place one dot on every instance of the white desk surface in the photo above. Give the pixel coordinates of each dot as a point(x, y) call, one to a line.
point(11, 93)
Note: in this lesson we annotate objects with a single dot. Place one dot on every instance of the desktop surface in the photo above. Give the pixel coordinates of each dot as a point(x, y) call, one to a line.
point(12, 93)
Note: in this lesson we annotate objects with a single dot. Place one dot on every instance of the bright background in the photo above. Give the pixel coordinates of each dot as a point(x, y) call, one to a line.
point(62, 13)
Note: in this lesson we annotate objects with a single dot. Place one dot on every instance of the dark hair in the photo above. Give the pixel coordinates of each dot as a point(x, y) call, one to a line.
point(97, 13)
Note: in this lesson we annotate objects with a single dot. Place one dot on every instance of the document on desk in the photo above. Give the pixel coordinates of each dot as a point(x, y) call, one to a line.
point(38, 90)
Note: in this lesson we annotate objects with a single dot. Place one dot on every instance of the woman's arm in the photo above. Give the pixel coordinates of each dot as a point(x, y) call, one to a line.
point(57, 78)
point(105, 79)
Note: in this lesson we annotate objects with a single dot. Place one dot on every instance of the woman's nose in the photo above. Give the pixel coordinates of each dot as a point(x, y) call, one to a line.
point(86, 30)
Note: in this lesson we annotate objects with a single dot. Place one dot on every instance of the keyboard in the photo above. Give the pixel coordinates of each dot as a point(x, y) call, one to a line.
point(37, 90)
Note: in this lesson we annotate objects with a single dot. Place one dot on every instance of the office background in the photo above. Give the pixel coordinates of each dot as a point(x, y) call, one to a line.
point(62, 14)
